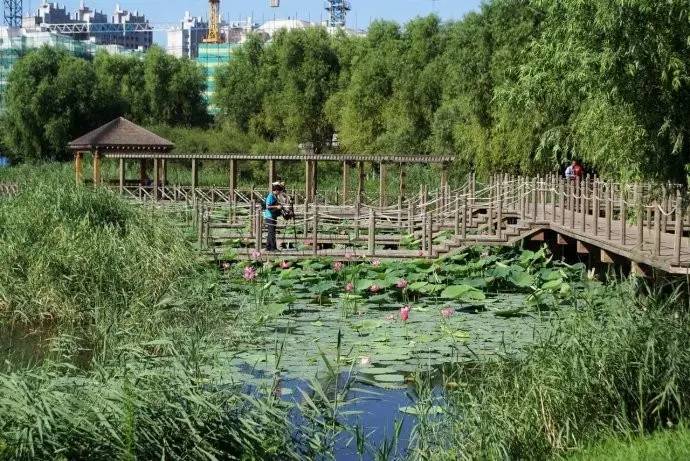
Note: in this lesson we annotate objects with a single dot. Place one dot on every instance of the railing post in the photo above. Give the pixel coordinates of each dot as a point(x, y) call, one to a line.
point(358, 207)
point(678, 231)
point(584, 204)
point(410, 218)
point(573, 192)
point(640, 217)
point(561, 200)
point(315, 230)
point(456, 221)
point(463, 223)
point(372, 232)
point(490, 209)
point(430, 236)
point(535, 199)
point(609, 210)
point(595, 206)
point(552, 188)
point(623, 216)
point(665, 208)
point(499, 210)
point(657, 230)
point(259, 229)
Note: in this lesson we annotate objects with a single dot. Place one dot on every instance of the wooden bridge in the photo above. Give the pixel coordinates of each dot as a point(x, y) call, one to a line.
point(643, 225)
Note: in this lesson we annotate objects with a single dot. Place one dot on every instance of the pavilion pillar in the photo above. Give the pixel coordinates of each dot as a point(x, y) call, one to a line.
point(271, 173)
point(164, 172)
point(315, 179)
point(96, 168)
point(360, 181)
point(78, 167)
point(195, 176)
point(156, 177)
point(142, 172)
point(121, 175)
point(233, 180)
point(346, 175)
point(307, 181)
point(382, 184)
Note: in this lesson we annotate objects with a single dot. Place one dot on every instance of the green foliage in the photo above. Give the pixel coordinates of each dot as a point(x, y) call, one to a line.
point(667, 445)
point(616, 366)
point(53, 97)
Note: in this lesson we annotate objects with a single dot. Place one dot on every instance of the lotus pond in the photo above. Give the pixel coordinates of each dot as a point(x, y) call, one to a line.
point(387, 320)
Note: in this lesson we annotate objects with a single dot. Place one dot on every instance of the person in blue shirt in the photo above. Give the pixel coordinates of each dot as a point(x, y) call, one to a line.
point(271, 215)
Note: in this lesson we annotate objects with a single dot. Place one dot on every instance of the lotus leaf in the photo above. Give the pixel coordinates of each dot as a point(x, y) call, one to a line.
point(462, 292)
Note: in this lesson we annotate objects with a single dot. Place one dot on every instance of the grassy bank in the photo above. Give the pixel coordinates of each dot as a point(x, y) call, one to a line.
point(619, 366)
point(127, 331)
point(670, 445)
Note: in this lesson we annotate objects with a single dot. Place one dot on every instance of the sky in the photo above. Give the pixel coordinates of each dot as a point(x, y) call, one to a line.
point(363, 11)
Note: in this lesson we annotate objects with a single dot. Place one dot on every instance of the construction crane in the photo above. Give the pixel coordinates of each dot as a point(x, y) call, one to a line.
point(12, 12)
point(213, 23)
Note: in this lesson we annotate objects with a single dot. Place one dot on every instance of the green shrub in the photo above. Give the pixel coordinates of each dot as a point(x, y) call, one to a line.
point(618, 365)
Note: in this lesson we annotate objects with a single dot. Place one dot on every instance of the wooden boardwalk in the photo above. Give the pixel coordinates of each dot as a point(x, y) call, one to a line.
point(647, 225)
point(644, 225)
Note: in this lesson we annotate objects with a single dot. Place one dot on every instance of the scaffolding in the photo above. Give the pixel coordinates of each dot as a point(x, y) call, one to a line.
point(211, 57)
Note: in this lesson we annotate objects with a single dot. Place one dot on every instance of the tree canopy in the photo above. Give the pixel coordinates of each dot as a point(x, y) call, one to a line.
point(518, 86)
point(53, 97)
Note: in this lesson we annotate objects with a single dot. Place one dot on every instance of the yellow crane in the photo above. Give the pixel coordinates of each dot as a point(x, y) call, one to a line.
point(213, 22)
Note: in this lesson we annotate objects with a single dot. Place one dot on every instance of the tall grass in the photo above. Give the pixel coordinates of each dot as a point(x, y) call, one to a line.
point(619, 365)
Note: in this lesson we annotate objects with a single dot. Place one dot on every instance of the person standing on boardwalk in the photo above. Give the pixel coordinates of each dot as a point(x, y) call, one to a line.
point(271, 214)
point(570, 171)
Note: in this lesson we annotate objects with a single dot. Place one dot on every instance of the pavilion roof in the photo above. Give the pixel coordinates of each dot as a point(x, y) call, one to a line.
point(121, 135)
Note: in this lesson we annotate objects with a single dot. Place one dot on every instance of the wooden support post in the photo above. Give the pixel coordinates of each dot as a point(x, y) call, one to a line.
point(156, 178)
point(382, 184)
point(552, 187)
point(345, 182)
point(542, 197)
point(79, 167)
point(142, 172)
point(372, 233)
point(678, 230)
point(305, 220)
point(573, 206)
point(640, 217)
point(315, 230)
point(606, 257)
point(463, 222)
point(121, 175)
point(410, 218)
point(96, 168)
point(657, 230)
point(444, 185)
point(232, 180)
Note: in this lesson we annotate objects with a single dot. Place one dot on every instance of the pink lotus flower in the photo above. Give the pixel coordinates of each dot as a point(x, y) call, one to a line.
point(376, 262)
point(256, 255)
point(365, 360)
point(402, 284)
point(405, 313)
point(448, 312)
point(338, 266)
point(349, 287)
point(249, 273)
point(374, 288)
point(285, 265)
